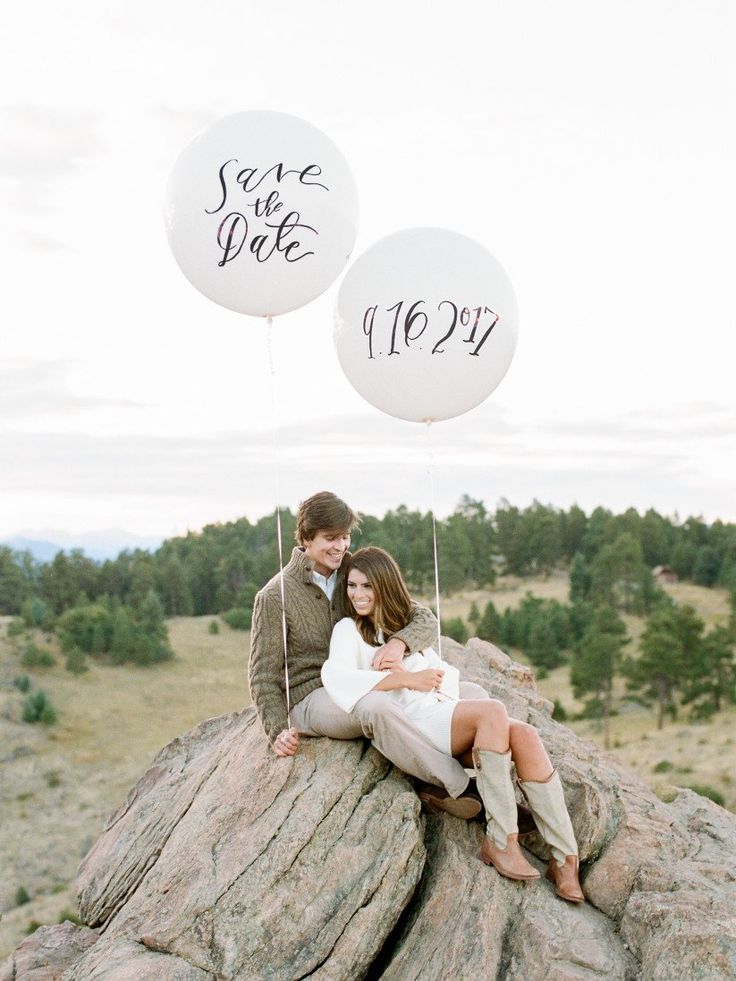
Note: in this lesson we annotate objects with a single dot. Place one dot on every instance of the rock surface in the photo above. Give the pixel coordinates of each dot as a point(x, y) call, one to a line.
point(226, 862)
point(46, 954)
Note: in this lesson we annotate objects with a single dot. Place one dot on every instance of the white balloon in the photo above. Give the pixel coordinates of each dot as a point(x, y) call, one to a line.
point(426, 324)
point(261, 212)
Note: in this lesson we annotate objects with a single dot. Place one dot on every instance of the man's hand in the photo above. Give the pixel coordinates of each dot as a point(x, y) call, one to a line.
point(390, 657)
point(286, 743)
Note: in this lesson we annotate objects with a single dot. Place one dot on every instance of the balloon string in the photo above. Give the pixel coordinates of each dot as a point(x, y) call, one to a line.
point(277, 496)
point(430, 471)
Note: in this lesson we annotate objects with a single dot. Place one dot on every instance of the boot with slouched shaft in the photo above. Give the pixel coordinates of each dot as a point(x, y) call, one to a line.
point(500, 847)
point(547, 802)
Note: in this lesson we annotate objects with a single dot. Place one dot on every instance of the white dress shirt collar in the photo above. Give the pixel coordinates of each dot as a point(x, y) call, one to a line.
point(325, 583)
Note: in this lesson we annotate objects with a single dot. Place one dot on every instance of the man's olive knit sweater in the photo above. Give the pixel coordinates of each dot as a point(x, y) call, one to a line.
point(310, 618)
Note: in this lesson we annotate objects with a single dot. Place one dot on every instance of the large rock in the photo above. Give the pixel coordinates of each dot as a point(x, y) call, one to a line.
point(247, 866)
point(226, 862)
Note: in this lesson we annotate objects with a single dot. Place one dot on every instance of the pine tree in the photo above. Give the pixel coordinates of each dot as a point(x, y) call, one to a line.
point(456, 629)
point(155, 647)
point(579, 579)
point(542, 646)
point(707, 566)
point(669, 651)
point(489, 626)
point(712, 678)
point(619, 577)
point(596, 659)
point(474, 615)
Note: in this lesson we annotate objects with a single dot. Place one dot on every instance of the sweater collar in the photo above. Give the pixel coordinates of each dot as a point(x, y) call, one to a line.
point(300, 564)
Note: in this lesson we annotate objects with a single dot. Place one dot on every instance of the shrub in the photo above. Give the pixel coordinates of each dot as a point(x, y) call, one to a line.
point(213, 627)
point(88, 627)
point(16, 627)
point(140, 637)
point(22, 896)
point(76, 661)
point(456, 629)
point(52, 778)
point(38, 708)
point(664, 766)
point(22, 682)
point(33, 925)
point(36, 657)
point(592, 709)
point(666, 793)
point(702, 711)
point(37, 613)
point(710, 792)
point(558, 710)
point(67, 914)
point(238, 618)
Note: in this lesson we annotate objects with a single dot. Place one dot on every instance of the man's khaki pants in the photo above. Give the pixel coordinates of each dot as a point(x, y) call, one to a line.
point(380, 718)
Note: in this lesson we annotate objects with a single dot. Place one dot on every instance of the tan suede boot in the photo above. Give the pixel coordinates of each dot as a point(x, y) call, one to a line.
point(501, 845)
point(547, 803)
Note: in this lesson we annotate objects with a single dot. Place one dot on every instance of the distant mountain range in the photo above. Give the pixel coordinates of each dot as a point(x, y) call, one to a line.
point(97, 545)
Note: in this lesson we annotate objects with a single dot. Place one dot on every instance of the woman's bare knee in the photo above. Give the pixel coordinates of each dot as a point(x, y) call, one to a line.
point(528, 752)
point(522, 734)
point(494, 712)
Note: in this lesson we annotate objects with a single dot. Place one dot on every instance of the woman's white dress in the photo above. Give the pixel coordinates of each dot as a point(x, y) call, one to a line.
point(348, 675)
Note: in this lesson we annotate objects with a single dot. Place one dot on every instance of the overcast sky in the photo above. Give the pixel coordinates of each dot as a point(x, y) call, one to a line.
point(589, 145)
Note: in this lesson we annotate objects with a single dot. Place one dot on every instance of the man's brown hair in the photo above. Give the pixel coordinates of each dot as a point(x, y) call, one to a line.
point(392, 600)
point(323, 512)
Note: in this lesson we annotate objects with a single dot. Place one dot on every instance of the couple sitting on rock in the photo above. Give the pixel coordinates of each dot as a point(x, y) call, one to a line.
point(361, 664)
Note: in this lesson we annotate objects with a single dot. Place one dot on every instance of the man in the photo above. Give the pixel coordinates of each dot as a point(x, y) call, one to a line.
point(312, 590)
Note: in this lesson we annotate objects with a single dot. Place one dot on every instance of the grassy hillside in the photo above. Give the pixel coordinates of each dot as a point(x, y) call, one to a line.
point(61, 783)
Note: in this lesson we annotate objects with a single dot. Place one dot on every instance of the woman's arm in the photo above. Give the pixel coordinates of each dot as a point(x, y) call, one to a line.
point(343, 676)
point(429, 679)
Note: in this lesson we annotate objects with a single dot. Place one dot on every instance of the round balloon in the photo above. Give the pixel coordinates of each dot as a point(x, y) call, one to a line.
point(426, 324)
point(261, 212)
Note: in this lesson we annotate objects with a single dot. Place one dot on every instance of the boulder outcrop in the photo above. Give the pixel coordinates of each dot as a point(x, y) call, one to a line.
point(226, 862)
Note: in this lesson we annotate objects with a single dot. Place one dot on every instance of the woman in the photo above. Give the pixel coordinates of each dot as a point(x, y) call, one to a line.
point(478, 733)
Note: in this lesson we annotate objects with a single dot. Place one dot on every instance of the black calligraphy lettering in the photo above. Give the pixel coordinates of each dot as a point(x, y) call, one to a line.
point(288, 225)
point(223, 186)
point(397, 307)
point(247, 176)
point(317, 171)
point(484, 338)
point(368, 319)
point(267, 206)
point(233, 245)
point(437, 349)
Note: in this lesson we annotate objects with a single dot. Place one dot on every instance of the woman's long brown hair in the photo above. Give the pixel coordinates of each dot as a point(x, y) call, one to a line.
point(392, 601)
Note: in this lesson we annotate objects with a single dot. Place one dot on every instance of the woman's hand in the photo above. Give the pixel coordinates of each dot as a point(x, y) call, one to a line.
point(428, 680)
point(286, 743)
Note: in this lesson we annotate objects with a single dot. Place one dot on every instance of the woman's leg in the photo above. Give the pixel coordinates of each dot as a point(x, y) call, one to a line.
point(483, 726)
point(541, 785)
point(528, 752)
